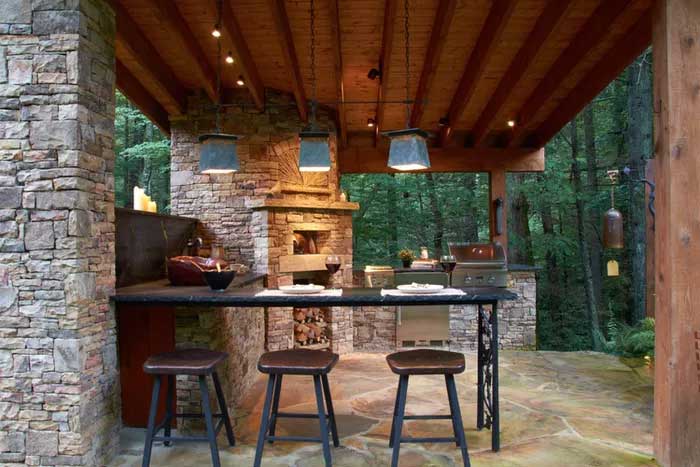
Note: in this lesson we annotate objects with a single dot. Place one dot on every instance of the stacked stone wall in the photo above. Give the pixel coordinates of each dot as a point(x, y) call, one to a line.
point(59, 392)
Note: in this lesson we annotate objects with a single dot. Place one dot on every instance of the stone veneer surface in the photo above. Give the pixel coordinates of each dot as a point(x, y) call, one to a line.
point(59, 391)
point(375, 327)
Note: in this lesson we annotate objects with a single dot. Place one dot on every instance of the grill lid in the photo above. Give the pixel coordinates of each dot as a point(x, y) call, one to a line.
point(478, 255)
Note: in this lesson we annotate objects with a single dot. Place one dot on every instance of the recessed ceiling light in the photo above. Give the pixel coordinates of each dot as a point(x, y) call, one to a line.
point(371, 122)
point(229, 58)
point(443, 121)
point(240, 81)
point(511, 123)
point(216, 32)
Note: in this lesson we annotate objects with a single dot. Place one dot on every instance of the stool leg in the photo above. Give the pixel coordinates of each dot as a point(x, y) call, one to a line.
point(151, 422)
point(211, 432)
point(393, 418)
point(275, 405)
point(457, 418)
point(169, 408)
point(224, 410)
point(331, 412)
point(452, 411)
point(322, 420)
point(264, 421)
point(403, 388)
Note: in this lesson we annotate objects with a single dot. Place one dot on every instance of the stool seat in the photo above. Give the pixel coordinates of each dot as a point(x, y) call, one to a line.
point(297, 362)
point(426, 362)
point(184, 362)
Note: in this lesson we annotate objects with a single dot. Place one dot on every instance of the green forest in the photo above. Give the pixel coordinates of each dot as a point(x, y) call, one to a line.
point(554, 217)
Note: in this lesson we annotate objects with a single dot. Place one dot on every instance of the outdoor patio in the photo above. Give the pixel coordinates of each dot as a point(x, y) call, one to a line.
point(574, 409)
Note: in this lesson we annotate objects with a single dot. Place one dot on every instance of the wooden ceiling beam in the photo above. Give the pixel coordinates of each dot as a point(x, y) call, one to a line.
point(141, 98)
point(182, 34)
point(232, 31)
point(140, 49)
point(362, 159)
point(485, 45)
point(336, 44)
point(548, 21)
point(438, 38)
point(614, 62)
point(591, 34)
point(284, 33)
point(384, 63)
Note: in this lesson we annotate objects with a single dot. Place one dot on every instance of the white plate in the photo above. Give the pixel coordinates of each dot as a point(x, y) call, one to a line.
point(420, 289)
point(302, 289)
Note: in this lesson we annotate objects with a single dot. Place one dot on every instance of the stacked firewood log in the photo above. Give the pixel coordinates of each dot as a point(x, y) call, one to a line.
point(309, 327)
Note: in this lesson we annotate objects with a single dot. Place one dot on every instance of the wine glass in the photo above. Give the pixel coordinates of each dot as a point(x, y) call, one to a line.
point(448, 263)
point(332, 264)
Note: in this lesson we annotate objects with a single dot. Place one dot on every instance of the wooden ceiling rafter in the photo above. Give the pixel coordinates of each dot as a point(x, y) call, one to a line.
point(130, 86)
point(546, 24)
point(488, 39)
point(336, 44)
point(438, 38)
point(591, 34)
point(286, 41)
point(140, 50)
point(249, 70)
point(613, 62)
point(182, 34)
point(452, 159)
point(390, 7)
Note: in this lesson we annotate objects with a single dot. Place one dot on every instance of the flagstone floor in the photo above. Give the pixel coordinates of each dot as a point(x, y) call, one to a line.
point(557, 409)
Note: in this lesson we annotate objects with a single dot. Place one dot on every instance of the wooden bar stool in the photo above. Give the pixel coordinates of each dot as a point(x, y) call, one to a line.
point(197, 362)
point(426, 362)
point(316, 363)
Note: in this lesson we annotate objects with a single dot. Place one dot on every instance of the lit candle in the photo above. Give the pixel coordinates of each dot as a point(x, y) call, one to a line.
point(218, 267)
point(152, 206)
point(138, 195)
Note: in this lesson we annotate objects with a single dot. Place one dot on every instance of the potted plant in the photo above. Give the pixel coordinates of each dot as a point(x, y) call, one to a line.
point(406, 256)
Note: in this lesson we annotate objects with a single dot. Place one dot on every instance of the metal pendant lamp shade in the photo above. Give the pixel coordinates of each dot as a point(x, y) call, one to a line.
point(314, 151)
point(613, 233)
point(408, 149)
point(218, 154)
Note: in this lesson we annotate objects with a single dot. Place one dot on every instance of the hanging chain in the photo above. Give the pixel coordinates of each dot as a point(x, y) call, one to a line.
point(218, 69)
point(312, 14)
point(408, 61)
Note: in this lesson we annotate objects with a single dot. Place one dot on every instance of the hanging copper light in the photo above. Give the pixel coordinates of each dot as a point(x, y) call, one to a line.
point(613, 231)
point(314, 148)
point(408, 149)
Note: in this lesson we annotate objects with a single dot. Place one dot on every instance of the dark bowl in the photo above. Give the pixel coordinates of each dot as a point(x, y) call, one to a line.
point(218, 281)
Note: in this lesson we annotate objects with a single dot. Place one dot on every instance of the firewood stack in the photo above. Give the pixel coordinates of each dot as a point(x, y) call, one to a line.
point(309, 327)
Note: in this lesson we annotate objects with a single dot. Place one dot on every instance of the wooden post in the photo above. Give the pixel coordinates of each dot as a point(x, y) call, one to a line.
point(650, 253)
point(676, 46)
point(497, 191)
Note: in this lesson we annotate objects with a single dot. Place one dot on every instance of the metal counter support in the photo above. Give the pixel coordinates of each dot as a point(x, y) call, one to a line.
point(487, 408)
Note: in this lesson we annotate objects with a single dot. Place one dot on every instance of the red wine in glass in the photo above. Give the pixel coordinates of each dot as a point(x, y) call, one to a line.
point(332, 264)
point(448, 263)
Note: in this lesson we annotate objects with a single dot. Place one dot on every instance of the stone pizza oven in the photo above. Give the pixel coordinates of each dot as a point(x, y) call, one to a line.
point(260, 214)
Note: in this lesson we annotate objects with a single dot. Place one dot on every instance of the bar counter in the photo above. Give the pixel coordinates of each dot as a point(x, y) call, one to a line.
point(162, 293)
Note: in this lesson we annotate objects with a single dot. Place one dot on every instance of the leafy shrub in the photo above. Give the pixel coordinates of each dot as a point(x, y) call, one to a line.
point(631, 341)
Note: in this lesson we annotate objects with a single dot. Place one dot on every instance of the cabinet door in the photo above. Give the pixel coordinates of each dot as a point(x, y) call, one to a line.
point(141, 332)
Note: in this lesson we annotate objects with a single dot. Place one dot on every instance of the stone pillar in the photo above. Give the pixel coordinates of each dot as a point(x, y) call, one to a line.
point(59, 394)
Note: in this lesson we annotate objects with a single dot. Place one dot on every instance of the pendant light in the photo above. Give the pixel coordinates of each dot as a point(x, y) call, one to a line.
point(613, 232)
point(218, 150)
point(408, 149)
point(314, 151)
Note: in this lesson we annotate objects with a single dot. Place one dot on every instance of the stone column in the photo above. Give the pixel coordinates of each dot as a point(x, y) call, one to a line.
point(59, 393)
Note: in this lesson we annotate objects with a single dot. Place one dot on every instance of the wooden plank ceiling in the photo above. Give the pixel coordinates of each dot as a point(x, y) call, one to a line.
point(475, 64)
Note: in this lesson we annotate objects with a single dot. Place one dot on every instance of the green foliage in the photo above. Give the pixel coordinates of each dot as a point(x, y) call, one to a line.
point(406, 255)
point(143, 157)
point(631, 341)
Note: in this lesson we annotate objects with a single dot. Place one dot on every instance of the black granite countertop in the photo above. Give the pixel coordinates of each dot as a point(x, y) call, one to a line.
point(160, 293)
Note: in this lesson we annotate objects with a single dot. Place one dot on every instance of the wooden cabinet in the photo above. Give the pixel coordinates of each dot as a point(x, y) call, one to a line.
point(141, 331)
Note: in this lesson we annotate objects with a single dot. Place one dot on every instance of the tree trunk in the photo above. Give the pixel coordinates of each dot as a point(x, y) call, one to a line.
point(471, 226)
point(593, 235)
point(639, 136)
point(520, 248)
point(438, 222)
point(584, 252)
point(392, 216)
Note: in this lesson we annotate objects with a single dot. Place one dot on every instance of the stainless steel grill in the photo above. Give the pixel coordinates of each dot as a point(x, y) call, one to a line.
point(479, 265)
